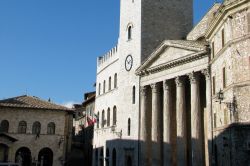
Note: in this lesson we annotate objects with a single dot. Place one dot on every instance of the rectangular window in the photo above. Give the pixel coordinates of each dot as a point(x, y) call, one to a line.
point(99, 89)
point(212, 50)
point(248, 21)
point(215, 120)
point(109, 83)
point(104, 86)
point(133, 95)
point(224, 77)
point(222, 38)
point(214, 85)
point(225, 117)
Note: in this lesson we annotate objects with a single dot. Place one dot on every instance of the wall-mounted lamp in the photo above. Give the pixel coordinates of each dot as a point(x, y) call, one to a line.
point(230, 105)
point(220, 96)
point(119, 134)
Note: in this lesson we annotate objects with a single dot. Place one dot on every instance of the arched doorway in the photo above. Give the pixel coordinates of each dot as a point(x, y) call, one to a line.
point(45, 157)
point(4, 149)
point(23, 155)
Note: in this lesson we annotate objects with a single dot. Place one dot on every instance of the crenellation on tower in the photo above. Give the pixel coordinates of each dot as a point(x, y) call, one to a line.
point(107, 59)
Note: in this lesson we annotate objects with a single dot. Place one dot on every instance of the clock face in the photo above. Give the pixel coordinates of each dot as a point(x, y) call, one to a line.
point(128, 63)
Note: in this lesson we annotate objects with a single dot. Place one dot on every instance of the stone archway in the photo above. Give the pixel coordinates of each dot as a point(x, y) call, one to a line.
point(23, 156)
point(4, 149)
point(45, 157)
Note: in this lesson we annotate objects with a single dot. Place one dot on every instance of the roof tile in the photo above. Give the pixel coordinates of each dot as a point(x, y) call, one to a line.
point(31, 102)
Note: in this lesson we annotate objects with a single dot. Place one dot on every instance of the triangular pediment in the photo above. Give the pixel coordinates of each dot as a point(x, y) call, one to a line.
point(168, 55)
point(172, 51)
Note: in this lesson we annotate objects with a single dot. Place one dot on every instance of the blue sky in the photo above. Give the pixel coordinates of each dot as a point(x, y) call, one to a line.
point(49, 48)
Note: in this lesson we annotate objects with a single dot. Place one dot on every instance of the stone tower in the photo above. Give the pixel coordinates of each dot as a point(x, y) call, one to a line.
point(144, 25)
point(152, 22)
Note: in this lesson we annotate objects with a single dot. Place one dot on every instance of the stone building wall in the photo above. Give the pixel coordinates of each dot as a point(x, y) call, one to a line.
point(234, 57)
point(231, 114)
point(29, 140)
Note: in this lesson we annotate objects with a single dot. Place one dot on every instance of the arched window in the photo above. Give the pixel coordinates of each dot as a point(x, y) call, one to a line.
point(51, 128)
point(133, 95)
point(129, 32)
point(129, 126)
point(4, 127)
point(114, 115)
point(114, 157)
point(99, 89)
point(22, 127)
point(109, 83)
point(107, 157)
point(104, 85)
point(98, 117)
point(103, 118)
point(115, 80)
point(108, 117)
point(36, 128)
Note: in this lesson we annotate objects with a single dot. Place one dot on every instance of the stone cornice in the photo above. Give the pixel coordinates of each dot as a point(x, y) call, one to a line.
point(222, 11)
point(173, 63)
point(228, 45)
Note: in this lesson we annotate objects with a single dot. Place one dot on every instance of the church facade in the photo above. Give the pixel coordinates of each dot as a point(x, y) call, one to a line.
point(169, 95)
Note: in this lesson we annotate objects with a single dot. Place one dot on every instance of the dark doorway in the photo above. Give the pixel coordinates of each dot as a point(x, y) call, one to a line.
point(114, 157)
point(128, 161)
point(3, 153)
point(23, 155)
point(45, 157)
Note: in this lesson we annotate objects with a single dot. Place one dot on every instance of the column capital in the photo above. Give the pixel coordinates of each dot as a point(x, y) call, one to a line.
point(206, 72)
point(155, 87)
point(143, 91)
point(179, 81)
point(166, 85)
point(193, 77)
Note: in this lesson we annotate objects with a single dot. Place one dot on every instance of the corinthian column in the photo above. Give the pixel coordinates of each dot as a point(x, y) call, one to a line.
point(144, 133)
point(181, 122)
point(196, 131)
point(209, 134)
point(156, 125)
point(167, 120)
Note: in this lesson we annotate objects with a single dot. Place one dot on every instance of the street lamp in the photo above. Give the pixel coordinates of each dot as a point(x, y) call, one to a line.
point(220, 96)
point(230, 105)
point(60, 141)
